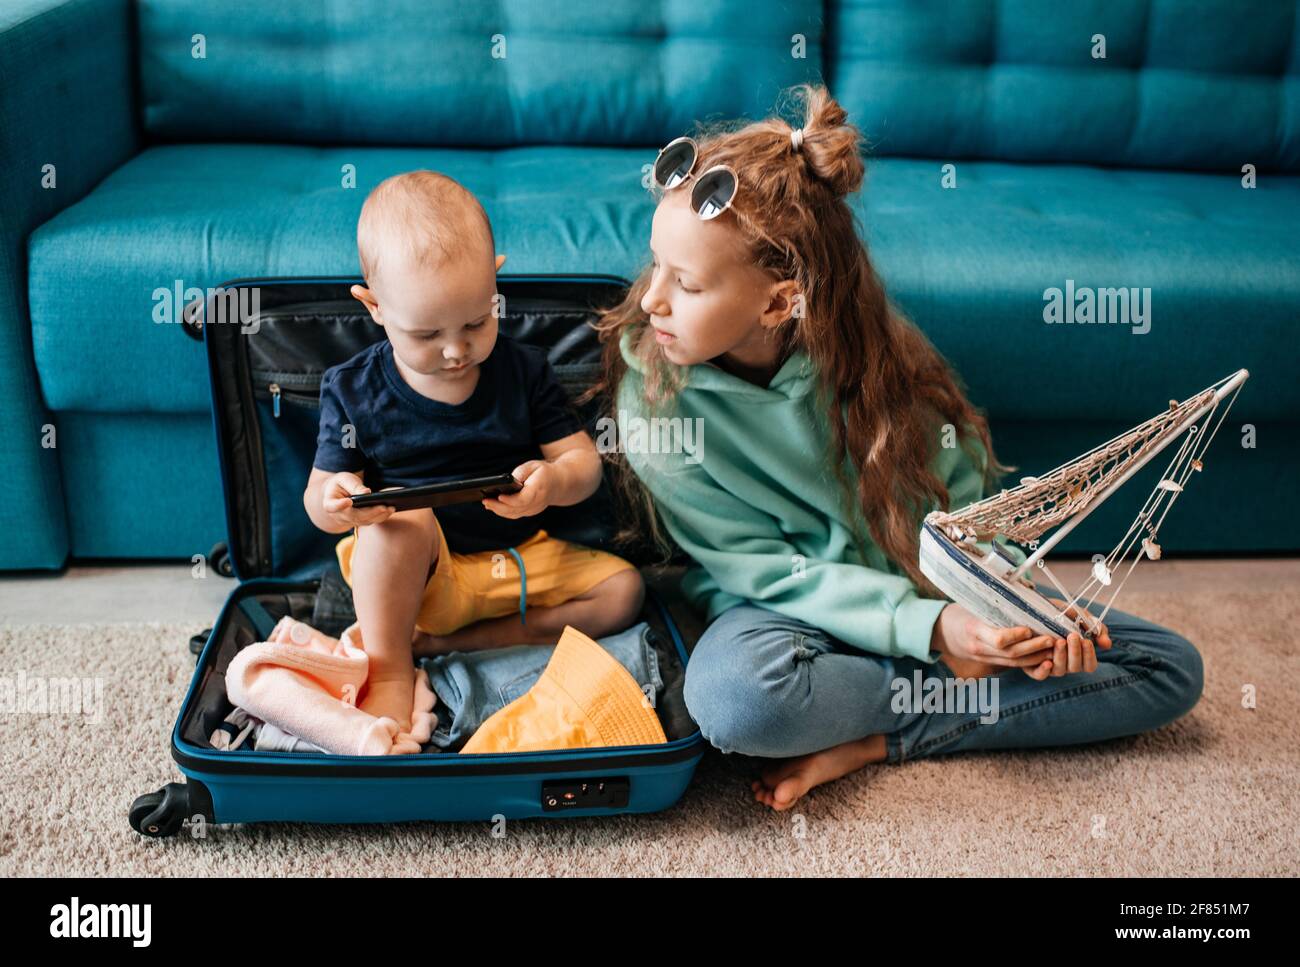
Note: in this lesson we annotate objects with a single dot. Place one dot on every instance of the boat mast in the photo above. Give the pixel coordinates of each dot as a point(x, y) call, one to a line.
point(1232, 382)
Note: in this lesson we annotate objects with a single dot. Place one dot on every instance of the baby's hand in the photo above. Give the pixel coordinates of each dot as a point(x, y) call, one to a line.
point(537, 476)
point(335, 500)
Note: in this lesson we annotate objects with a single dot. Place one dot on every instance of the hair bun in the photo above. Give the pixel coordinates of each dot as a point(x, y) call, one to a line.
point(832, 146)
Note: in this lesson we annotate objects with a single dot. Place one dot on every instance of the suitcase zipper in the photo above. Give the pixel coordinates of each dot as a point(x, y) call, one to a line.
point(278, 392)
point(429, 765)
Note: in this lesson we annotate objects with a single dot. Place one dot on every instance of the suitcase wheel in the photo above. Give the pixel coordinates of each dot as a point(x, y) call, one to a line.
point(161, 813)
point(219, 559)
point(198, 641)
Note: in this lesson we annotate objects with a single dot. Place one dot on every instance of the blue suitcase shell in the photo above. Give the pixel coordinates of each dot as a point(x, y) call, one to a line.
point(268, 341)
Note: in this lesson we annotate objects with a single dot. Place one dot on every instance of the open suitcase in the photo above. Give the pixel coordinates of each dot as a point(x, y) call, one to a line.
point(265, 365)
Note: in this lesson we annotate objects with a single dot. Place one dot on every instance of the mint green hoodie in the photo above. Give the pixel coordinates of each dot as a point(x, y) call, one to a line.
point(759, 510)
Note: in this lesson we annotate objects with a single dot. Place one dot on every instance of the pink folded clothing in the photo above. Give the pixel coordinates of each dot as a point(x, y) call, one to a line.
point(307, 684)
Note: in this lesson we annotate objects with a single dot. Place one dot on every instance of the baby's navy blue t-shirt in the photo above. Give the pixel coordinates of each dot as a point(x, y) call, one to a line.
point(403, 439)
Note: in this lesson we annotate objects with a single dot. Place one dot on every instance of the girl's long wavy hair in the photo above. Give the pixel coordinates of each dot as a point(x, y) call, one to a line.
point(886, 390)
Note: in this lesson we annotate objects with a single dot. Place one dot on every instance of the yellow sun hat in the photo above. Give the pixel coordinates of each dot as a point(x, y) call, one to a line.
point(583, 699)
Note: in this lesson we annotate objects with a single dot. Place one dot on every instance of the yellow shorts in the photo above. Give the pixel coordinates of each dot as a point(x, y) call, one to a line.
point(465, 588)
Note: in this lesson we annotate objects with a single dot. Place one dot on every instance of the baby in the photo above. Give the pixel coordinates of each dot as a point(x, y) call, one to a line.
point(446, 397)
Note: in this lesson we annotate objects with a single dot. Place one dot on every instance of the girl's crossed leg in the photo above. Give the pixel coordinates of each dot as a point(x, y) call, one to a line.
point(762, 684)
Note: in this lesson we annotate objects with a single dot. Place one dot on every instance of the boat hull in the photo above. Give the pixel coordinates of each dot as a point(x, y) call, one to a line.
point(987, 595)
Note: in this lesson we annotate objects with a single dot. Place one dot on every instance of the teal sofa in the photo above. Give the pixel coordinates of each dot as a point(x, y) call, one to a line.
point(158, 143)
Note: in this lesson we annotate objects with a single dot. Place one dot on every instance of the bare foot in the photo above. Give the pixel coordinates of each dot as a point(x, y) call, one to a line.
point(781, 785)
point(393, 697)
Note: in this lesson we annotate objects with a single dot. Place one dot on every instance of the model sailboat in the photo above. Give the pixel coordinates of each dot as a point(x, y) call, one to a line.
point(993, 585)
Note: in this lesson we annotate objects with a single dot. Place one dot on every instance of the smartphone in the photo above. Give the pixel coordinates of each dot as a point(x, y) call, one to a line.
point(441, 494)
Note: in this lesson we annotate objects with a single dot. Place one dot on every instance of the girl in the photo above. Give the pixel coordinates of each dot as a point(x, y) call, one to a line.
point(822, 415)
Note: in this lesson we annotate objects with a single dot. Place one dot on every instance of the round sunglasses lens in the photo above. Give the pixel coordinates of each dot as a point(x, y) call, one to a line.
point(675, 164)
point(713, 193)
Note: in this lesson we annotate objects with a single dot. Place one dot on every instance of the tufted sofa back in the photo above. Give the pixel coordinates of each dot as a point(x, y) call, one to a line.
point(1200, 84)
point(465, 72)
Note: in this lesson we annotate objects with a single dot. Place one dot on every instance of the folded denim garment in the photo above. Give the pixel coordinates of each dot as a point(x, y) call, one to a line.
point(472, 686)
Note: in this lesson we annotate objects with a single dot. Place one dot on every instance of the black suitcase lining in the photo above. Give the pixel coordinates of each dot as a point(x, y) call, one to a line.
point(304, 327)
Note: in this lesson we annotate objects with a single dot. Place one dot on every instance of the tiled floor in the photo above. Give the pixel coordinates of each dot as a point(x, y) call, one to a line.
point(172, 593)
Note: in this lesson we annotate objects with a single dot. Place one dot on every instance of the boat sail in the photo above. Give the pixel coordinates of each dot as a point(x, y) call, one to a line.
point(993, 584)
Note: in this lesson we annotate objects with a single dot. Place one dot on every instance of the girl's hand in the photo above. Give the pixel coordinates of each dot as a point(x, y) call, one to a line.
point(1077, 653)
point(336, 504)
point(1102, 637)
point(537, 476)
point(980, 648)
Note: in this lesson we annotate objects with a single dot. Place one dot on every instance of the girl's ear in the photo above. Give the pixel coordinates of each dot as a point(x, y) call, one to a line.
point(785, 301)
point(501, 260)
point(367, 299)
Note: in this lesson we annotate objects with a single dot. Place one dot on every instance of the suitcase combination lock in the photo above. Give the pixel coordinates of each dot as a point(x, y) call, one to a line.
point(585, 793)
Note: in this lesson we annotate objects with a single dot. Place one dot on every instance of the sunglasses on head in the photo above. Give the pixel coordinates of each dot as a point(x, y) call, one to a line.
point(714, 190)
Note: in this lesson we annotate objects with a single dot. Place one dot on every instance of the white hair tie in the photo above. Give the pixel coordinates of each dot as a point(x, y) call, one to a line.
point(796, 138)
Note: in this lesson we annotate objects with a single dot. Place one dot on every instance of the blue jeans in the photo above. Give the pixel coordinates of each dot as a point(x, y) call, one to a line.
point(472, 686)
point(762, 684)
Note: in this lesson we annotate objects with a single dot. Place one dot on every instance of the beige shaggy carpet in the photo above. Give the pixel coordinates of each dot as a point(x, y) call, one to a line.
point(1212, 794)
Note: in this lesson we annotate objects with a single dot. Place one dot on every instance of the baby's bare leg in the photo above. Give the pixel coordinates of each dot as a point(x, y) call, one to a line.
point(390, 567)
point(610, 606)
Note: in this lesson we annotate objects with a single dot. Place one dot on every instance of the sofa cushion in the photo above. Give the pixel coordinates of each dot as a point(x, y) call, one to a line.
point(973, 265)
point(447, 72)
point(970, 264)
point(141, 485)
point(199, 215)
point(1199, 84)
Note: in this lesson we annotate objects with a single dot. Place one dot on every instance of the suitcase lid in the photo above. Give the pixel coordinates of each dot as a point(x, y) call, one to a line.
point(269, 340)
